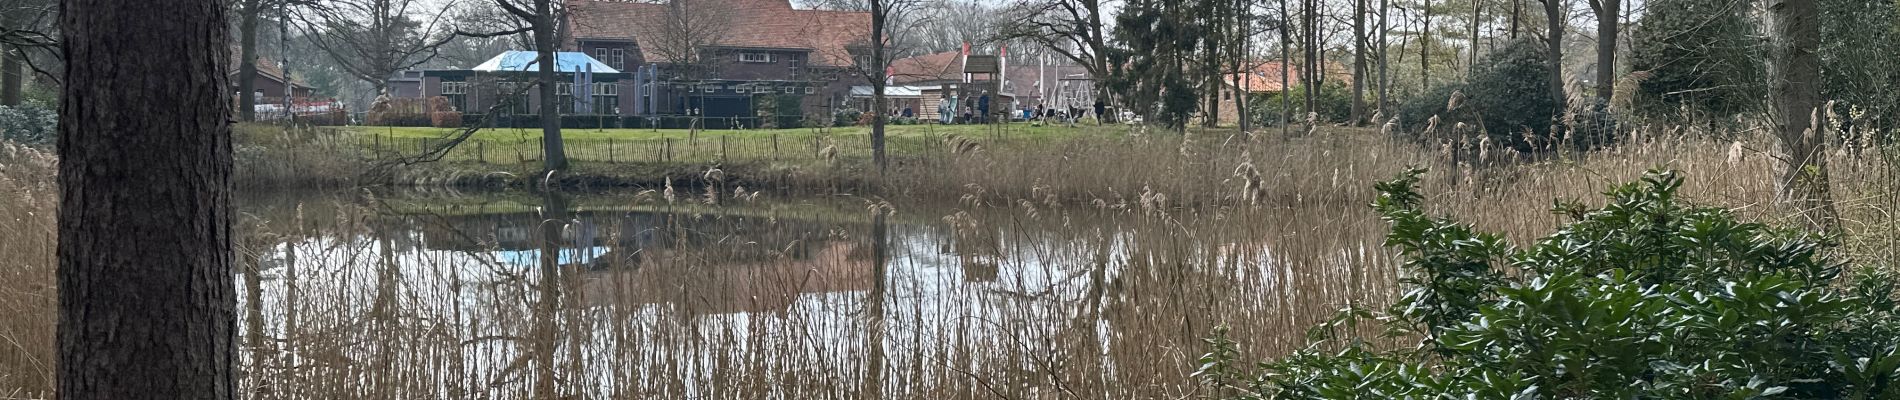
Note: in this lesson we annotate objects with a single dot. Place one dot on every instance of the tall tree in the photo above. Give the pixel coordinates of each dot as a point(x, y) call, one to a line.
point(1286, 61)
point(1425, 47)
point(248, 13)
point(687, 28)
point(1607, 12)
point(540, 19)
point(1794, 91)
point(372, 40)
point(890, 23)
point(147, 294)
point(1554, 41)
point(1358, 61)
point(1385, 83)
point(1073, 29)
point(1310, 68)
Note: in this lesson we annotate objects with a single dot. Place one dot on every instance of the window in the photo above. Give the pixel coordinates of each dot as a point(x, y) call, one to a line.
point(753, 57)
point(810, 90)
point(454, 87)
point(600, 53)
point(793, 63)
point(564, 89)
point(605, 89)
point(739, 90)
point(620, 59)
point(864, 61)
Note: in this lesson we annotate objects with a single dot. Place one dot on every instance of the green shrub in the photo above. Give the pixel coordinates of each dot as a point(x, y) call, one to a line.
point(1508, 95)
point(1333, 102)
point(31, 123)
point(1646, 297)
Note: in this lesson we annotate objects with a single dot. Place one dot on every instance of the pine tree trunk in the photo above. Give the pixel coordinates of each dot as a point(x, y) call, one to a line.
point(1384, 83)
point(1286, 55)
point(555, 157)
point(1795, 91)
point(147, 289)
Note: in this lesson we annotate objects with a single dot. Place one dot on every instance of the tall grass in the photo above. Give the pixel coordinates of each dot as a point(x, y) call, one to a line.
point(980, 267)
point(27, 297)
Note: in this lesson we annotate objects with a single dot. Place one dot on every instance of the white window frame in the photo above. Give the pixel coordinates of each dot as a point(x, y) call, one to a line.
point(606, 89)
point(810, 90)
point(620, 58)
point(600, 53)
point(739, 90)
point(454, 87)
point(564, 89)
point(755, 57)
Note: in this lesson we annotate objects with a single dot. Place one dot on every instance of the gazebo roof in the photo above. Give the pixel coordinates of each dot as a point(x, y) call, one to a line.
point(525, 61)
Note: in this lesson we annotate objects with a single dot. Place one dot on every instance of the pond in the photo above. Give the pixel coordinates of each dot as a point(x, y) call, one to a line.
point(361, 294)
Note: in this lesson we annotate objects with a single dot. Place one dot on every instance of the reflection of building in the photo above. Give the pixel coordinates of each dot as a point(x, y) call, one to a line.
point(706, 264)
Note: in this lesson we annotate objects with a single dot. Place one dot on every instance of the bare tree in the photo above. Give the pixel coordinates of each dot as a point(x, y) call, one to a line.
point(25, 26)
point(147, 294)
point(540, 19)
point(685, 30)
point(1795, 92)
point(372, 40)
point(1359, 61)
point(1072, 29)
point(1554, 39)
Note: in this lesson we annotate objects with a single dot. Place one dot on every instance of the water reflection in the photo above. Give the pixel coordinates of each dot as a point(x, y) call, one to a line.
point(593, 296)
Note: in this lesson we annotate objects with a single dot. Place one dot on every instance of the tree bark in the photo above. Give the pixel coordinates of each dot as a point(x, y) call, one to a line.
point(1471, 56)
point(12, 77)
point(1795, 91)
point(554, 149)
point(247, 59)
point(147, 288)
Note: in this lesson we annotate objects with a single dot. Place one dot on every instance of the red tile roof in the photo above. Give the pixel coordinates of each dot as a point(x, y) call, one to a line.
point(266, 68)
point(771, 24)
point(929, 67)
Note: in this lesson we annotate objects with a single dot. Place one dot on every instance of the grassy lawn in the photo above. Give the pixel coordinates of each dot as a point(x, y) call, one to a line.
point(517, 146)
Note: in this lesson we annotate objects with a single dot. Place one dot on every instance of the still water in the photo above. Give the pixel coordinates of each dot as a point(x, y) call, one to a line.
point(629, 295)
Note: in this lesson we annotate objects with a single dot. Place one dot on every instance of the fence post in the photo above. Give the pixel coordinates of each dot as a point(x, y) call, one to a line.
point(722, 148)
point(610, 151)
point(775, 147)
point(668, 154)
point(481, 154)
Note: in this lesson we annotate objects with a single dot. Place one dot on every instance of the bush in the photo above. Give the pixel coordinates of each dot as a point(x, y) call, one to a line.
point(1645, 297)
point(1333, 103)
point(846, 117)
point(332, 118)
point(445, 119)
point(1508, 94)
point(30, 123)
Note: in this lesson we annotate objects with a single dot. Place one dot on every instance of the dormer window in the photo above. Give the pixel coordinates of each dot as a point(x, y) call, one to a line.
point(755, 57)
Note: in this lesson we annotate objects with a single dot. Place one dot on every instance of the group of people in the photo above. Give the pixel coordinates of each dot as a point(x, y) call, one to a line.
point(976, 110)
point(970, 110)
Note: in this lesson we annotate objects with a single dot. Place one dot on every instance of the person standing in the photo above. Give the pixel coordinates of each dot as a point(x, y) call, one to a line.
point(1100, 109)
point(983, 107)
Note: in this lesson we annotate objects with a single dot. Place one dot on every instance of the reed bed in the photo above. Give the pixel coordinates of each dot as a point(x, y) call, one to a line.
point(979, 268)
point(29, 199)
